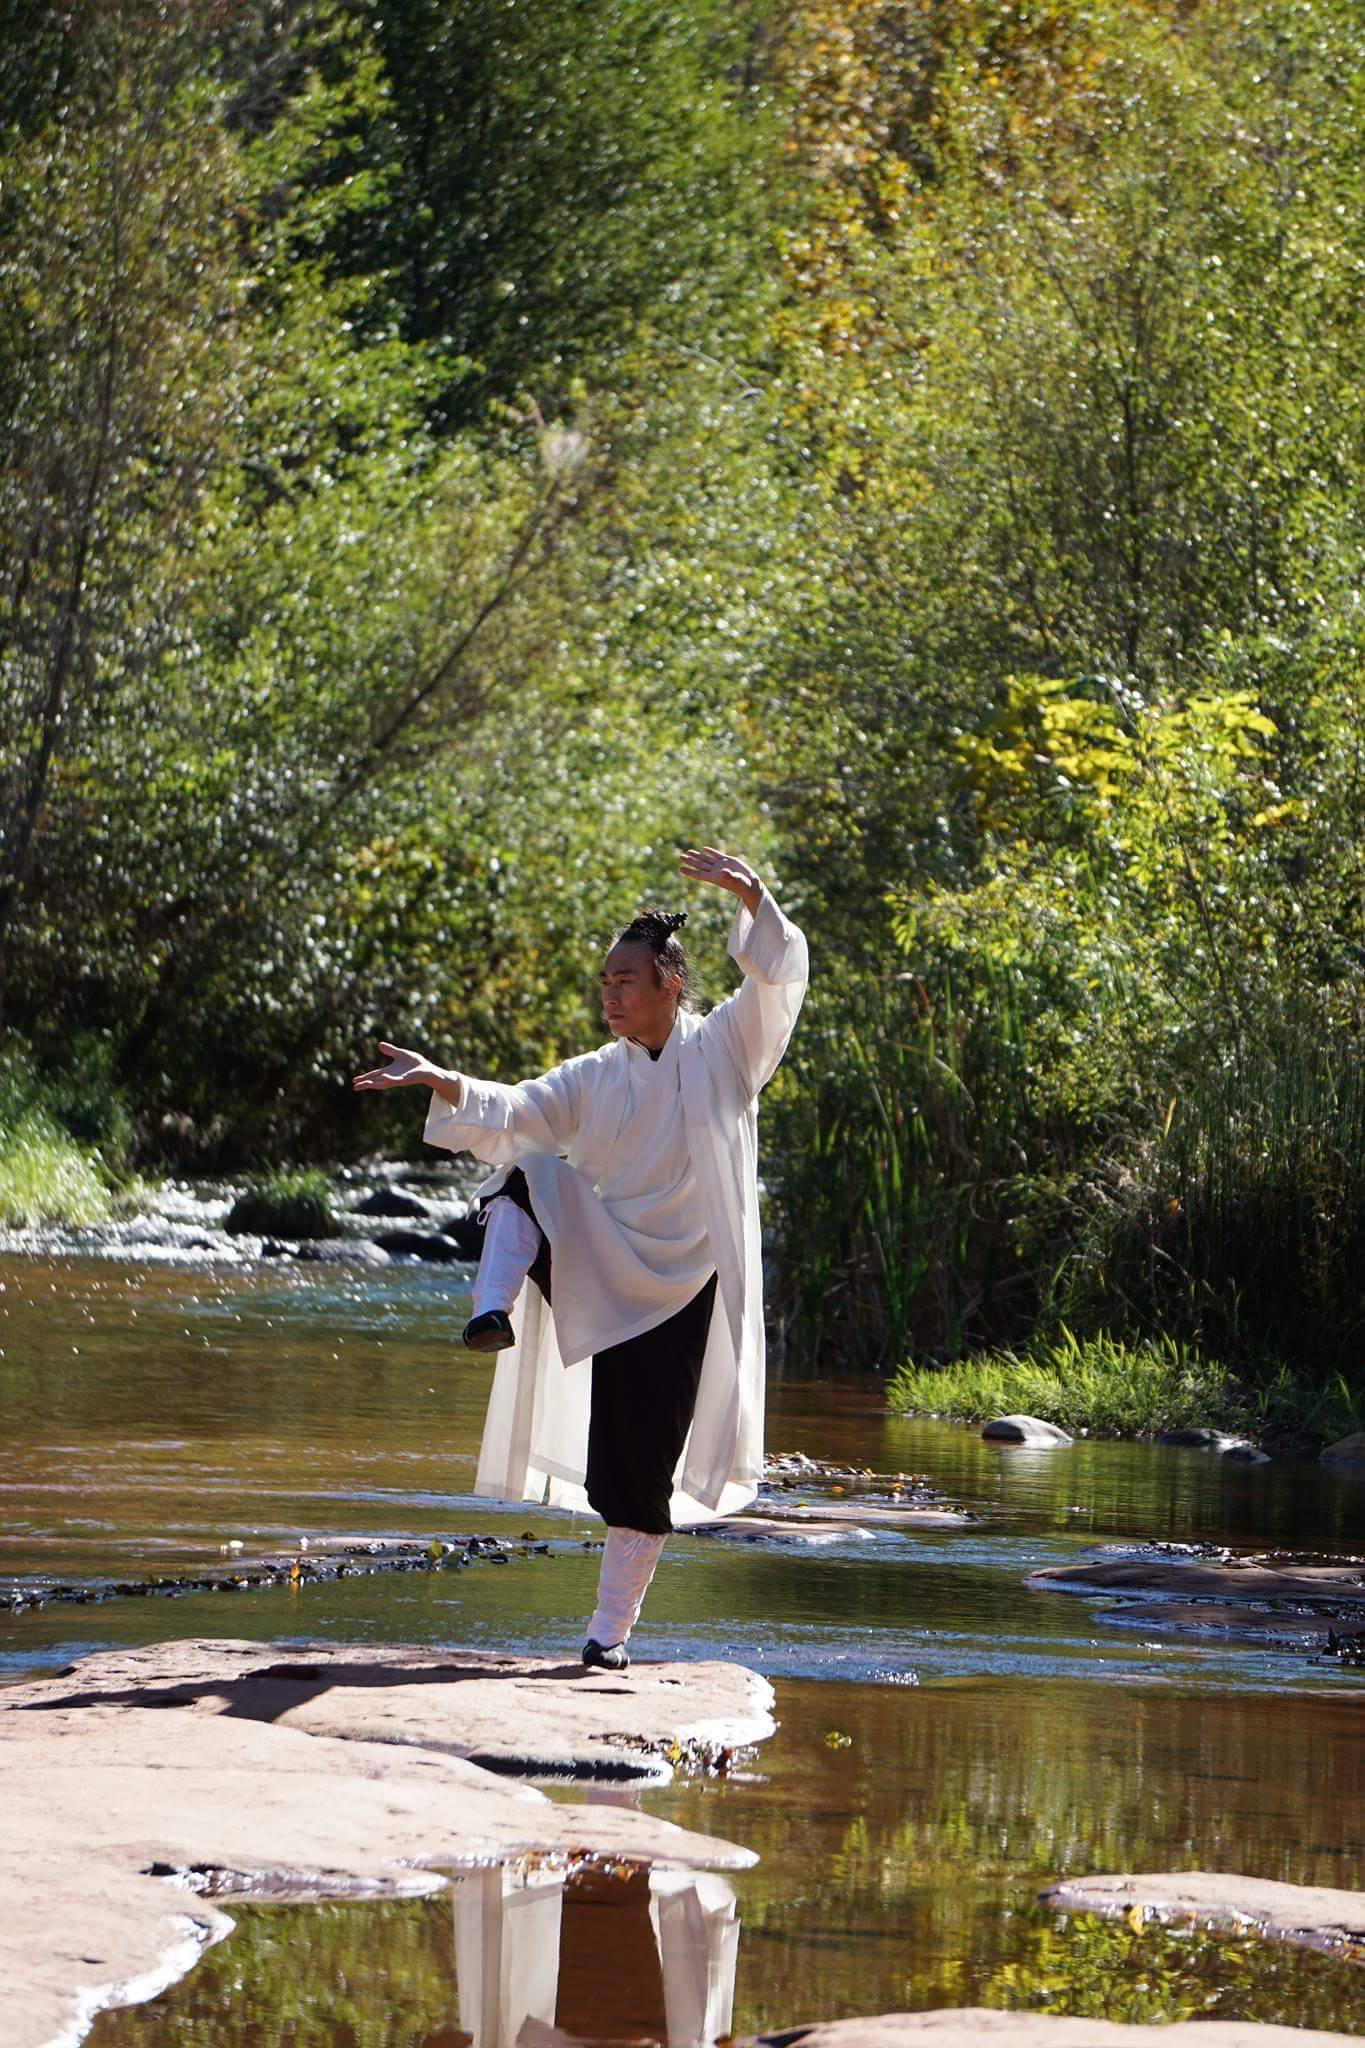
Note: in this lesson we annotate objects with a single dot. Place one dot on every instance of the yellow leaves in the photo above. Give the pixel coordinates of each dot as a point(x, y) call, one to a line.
point(1074, 757)
point(1047, 735)
point(1279, 814)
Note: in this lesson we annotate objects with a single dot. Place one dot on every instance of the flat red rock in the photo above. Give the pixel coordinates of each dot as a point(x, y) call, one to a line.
point(1330, 1585)
point(967, 2024)
point(328, 1770)
point(1309, 1916)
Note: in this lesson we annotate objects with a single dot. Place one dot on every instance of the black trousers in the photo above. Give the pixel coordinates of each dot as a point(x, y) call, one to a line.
point(644, 1394)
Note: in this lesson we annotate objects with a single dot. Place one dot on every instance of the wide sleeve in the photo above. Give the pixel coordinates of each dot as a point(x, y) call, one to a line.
point(501, 1124)
point(756, 1022)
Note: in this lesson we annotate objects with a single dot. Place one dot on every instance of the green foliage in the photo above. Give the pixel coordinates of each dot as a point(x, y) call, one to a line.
point(1108, 1388)
point(1068, 348)
point(562, 175)
point(285, 1203)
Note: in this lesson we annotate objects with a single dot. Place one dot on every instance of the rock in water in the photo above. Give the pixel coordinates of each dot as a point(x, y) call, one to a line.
point(328, 1771)
point(1196, 1439)
point(1024, 1429)
point(423, 1244)
point(1310, 1916)
point(391, 1202)
point(1350, 1450)
point(970, 2026)
point(341, 1251)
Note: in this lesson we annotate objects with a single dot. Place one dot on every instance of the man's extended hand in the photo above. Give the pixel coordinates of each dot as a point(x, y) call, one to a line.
point(709, 864)
point(410, 1070)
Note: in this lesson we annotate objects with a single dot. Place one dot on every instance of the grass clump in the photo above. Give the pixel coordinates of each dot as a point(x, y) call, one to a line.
point(46, 1177)
point(289, 1202)
point(1110, 1388)
point(46, 1174)
point(1098, 1384)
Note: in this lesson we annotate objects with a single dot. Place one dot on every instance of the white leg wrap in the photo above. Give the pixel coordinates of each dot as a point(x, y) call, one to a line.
point(628, 1563)
point(511, 1240)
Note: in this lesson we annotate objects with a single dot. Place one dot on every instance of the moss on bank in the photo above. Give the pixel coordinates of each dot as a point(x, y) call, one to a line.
point(1112, 1389)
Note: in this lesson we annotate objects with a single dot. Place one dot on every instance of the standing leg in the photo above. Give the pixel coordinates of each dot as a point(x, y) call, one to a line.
point(628, 1562)
point(644, 1393)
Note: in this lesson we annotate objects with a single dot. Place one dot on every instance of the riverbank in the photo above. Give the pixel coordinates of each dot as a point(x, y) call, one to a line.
point(1100, 1387)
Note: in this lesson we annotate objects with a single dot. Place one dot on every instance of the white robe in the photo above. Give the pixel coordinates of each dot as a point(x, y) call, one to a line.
point(631, 1249)
point(536, 1431)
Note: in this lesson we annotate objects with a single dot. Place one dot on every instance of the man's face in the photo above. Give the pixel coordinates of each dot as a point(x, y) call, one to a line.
point(633, 1003)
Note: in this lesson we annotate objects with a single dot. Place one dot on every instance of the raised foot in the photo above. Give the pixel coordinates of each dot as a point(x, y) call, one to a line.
point(492, 1331)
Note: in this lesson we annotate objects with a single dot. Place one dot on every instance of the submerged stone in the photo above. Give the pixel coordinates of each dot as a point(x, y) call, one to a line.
point(1227, 1618)
point(1339, 1588)
point(1197, 1439)
point(432, 1245)
point(341, 1251)
point(857, 1513)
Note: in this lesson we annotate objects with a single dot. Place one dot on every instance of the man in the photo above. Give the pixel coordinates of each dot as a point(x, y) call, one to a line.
point(631, 1374)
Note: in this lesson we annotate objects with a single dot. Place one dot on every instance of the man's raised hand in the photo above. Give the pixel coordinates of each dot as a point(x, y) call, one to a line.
point(710, 864)
point(404, 1070)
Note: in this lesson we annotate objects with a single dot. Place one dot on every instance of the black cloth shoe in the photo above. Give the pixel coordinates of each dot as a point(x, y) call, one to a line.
point(609, 1659)
point(492, 1331)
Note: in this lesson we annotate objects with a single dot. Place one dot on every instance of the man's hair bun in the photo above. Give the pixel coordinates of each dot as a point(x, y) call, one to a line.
point(655, 927)
point(658, 929)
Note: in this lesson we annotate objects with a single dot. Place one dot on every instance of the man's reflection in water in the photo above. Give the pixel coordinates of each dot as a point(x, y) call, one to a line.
point(600, 1953)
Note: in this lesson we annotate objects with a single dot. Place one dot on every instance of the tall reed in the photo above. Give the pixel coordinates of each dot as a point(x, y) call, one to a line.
point(1240, 1223)
point(909, 1156)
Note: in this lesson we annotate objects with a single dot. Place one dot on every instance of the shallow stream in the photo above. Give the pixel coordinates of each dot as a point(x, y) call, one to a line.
point(949, 1740)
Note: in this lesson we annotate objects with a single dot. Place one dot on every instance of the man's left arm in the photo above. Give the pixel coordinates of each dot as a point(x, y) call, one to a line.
point(757, 1021)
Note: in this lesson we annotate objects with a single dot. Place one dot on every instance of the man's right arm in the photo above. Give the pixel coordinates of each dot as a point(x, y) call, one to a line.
point(450, 1087)
point(502, 1124)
